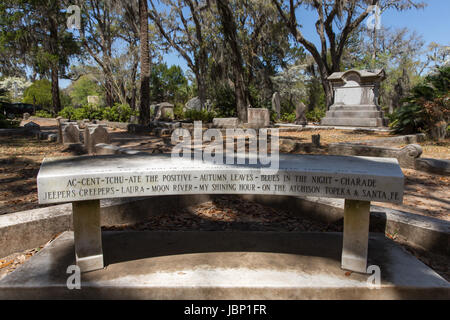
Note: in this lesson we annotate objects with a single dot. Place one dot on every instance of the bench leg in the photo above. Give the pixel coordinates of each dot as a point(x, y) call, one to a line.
point(88, 235)
point(356, 235)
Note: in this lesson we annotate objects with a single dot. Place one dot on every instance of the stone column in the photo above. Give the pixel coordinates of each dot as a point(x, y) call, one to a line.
point(356, 235)
point(88, 236)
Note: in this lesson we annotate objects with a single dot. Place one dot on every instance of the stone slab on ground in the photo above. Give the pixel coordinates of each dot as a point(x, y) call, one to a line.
point(223, 265)
point(439, 166)
point(296, 127)
point(225, 122)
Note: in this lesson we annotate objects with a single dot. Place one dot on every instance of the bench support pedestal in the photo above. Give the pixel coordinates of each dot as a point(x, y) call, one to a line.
point(356, 235)
point(88, 238)
point(87, 234)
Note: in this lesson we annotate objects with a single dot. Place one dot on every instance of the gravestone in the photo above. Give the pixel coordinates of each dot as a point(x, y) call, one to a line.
point(70, 133)
point(258, 117)
point(225, 122)
point(193, 104)
point(164, 111)
point(315, 139)
point(276, 104)
point(300, 117)
point(93, 99)
point(356, 99)
point(52, 137)
point(134, 119)
point(32, 126)
point(60, 121)
point(94, 134)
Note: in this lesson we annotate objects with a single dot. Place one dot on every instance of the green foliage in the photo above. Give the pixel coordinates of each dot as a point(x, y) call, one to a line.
point(224, 101)
point(43, 114)
point(203, 115)
point(4, 95)
point(39, 93)
point(118, 112)
point(257, 100)
point(67, 112)
point(81, 89)
point(315, 115)
point(178, 111)
point(427, 108)
point(7, 123)
point(168, 84)
point(88, 111)
point(288, 117)
point(408, 119)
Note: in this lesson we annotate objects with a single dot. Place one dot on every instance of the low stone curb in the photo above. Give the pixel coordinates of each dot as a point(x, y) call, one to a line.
point(418, 231)
point(430, 165)
point(28, 229)
point(103, 148)
point(409, 139)
point(406, 156)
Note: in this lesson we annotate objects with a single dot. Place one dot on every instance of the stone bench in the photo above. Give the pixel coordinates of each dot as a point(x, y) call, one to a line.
point(85, 180)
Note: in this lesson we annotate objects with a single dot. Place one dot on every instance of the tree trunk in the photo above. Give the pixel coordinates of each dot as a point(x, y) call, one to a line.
point(201, 90)
point(229, 30)
point(56, 102)
point(329, 94)
point(108, 92)
point(144, 108)
point(239, 92)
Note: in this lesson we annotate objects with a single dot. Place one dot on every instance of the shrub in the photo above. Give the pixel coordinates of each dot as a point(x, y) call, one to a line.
point(224, 101)
point(118, 112)
point(427, 108)
point(203, 115)
point(178, 111)
point(43, 114)
point(39, 93)
point(315, 115)
point(68, 113)
point(88, 111)
point(288, 117)
point(6, 123)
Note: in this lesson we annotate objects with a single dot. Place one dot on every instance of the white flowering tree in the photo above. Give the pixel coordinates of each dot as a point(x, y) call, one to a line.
point(291, 83)
point(14, 87)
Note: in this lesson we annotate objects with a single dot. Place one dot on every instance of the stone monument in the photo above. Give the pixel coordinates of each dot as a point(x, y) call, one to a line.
point(164, 111)
point(356, 99)
point(93, 99)
point(300, 117)
point(258, 117)
point(94, 134)
point(276, 104)
point(70, 133)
